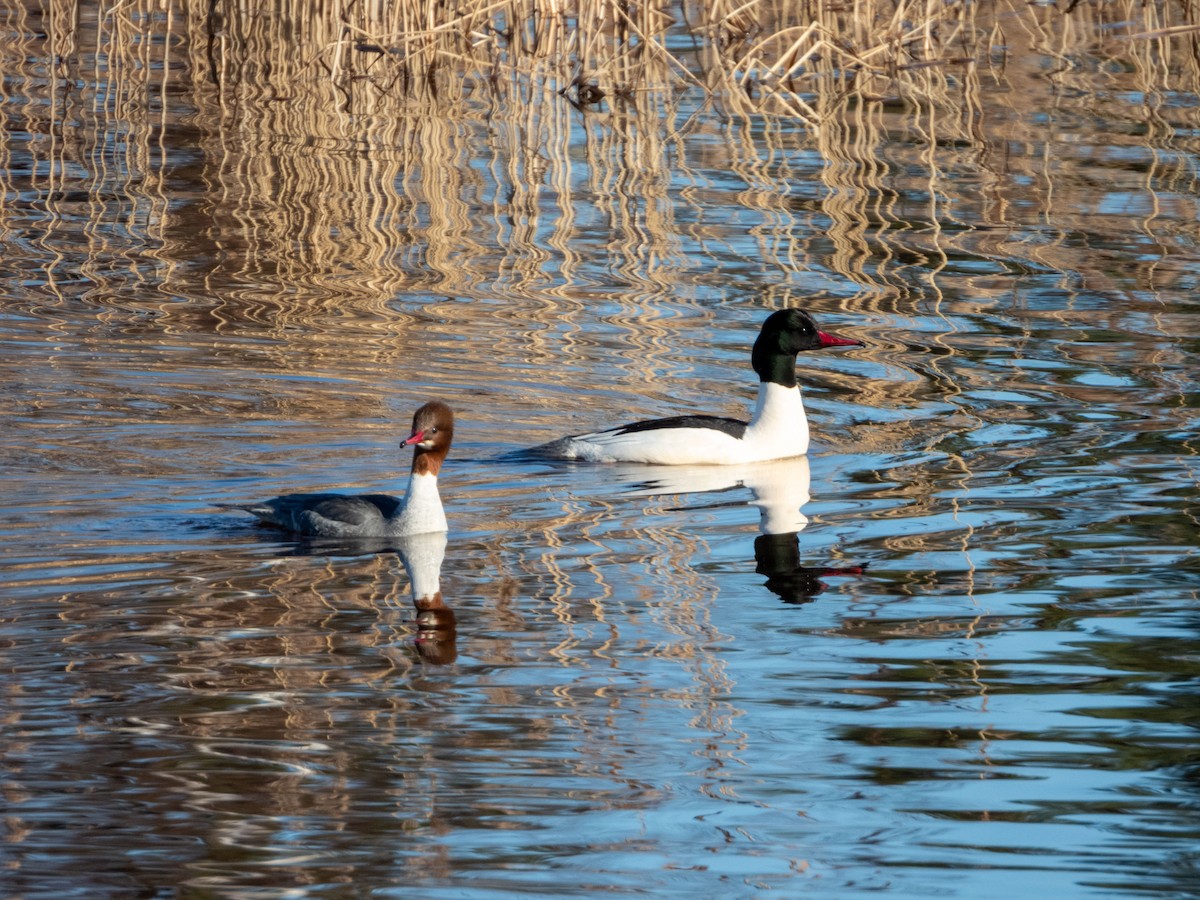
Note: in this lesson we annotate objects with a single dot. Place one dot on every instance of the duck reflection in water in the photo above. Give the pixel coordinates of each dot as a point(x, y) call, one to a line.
point(778, 489)
point(422, 556)
point(437, 627)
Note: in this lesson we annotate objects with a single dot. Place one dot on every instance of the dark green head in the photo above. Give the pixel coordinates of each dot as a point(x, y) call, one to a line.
point(784, 334)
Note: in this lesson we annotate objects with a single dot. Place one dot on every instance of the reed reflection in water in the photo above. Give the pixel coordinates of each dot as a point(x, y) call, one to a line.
point(952, 653)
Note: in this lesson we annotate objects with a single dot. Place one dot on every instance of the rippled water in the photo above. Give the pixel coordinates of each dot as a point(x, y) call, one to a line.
point(953, 652)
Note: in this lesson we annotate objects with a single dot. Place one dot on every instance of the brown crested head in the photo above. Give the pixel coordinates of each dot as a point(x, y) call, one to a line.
point(432, 432)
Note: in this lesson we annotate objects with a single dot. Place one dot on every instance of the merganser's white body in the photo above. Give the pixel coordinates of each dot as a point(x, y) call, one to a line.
point(374, 515)
point(777, 430)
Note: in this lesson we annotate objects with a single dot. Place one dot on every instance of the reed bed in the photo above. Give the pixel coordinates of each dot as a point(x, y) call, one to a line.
point(773, 57)
point(751, 57)
point(472, 120)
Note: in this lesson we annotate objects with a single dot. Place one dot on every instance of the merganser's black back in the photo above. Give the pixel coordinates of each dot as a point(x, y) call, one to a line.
point(732, 427)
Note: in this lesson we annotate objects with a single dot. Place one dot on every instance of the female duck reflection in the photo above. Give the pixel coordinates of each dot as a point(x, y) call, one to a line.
point(779, 489)
point(437, 627)
point(422, 556)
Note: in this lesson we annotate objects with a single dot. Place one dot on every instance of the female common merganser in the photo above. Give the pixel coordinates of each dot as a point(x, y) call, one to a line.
point(374, 515)
point(778, 428)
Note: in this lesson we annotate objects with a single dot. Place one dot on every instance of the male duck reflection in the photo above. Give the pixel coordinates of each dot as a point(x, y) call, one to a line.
point(374, 515)
point(778, 489)
point(777, 430)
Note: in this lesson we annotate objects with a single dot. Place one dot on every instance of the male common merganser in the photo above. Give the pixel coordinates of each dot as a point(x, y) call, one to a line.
point(374, 515)
point(778, 428)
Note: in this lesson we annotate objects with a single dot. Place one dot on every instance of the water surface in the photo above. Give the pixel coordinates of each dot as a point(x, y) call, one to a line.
point(951, 653)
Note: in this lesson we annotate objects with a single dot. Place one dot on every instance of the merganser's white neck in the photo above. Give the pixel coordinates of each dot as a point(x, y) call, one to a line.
point(422, 510)
point(779, 427)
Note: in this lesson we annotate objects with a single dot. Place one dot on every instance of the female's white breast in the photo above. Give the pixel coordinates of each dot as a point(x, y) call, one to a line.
point(422, 507)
